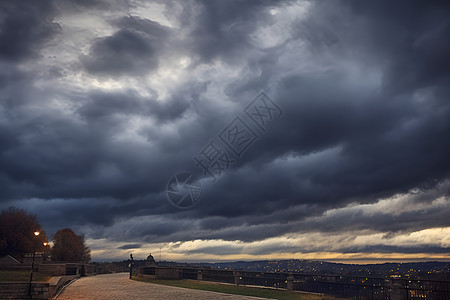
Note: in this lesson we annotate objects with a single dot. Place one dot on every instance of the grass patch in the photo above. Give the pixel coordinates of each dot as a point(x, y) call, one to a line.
point(237, 290)
point(22, 275)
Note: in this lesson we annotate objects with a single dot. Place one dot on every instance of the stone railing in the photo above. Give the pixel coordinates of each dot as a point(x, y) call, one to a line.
point(340, 286)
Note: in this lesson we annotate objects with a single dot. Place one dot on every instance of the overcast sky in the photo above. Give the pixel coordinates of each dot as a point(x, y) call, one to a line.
point(103, 102)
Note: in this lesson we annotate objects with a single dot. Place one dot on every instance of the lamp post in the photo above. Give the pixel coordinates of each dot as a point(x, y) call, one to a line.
point(36, 233)
point(45, 253)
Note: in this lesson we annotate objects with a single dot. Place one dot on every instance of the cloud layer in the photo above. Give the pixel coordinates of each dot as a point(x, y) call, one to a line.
point(101, 103)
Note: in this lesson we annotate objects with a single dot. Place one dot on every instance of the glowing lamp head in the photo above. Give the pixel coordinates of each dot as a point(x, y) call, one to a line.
point(45, 244)
point(36, 233)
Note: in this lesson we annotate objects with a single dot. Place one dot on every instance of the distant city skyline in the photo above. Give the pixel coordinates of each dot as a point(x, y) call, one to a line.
point(103, 103)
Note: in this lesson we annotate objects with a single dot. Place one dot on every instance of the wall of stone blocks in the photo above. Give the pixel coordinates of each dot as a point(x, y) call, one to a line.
point(52, 269)
point(12, 290)
point(167, 273)
point(16, 290)
point(40, 290)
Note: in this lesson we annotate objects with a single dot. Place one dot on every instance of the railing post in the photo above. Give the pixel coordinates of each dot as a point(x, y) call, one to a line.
point(290, 282)
point(398, 289)
point(200, 275)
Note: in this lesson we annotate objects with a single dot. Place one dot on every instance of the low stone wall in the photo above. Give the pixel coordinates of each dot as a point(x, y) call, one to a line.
point(39, 290)
point(66, 269)
point(159, 272)
point(167, 273)
point(52, 269)
point(13, 290)
point(20, 290)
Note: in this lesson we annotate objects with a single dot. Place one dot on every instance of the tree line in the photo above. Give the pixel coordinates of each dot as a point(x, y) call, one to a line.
point(17, 237)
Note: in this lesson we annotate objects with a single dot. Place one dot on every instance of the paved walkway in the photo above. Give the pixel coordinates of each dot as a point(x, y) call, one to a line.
point(119, 286)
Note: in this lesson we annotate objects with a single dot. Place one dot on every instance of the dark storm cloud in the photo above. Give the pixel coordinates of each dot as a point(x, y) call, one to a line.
point(267, 250)
point(387, 141)
point(10, 76)
point(396, 249)
point(344, 138)
point(130, 246)
point(102, 106)
point(385, 216)
point(222, 29)
point(24, 27)
point(414, 36)
point(363, 249)
point(376, 143)
point(133, 49)
point(46, 155)
point(82, 5)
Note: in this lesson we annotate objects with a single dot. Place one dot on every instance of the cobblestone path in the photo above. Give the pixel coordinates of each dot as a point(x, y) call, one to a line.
point(119, 286)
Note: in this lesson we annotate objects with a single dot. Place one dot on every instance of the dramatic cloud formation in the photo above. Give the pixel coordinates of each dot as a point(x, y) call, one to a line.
point(102, 102)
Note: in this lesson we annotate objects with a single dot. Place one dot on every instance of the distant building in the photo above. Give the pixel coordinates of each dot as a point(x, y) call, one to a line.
point(150, 261)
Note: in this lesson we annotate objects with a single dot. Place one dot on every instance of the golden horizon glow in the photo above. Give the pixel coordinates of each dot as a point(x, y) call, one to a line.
point(197, 250)
point(355, 258)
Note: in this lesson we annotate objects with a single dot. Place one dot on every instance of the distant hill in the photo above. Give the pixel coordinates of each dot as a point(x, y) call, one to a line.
point(417, 270)
point(431, 270)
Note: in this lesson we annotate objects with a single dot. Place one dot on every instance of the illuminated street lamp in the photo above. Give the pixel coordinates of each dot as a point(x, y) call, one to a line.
point(36, 233)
